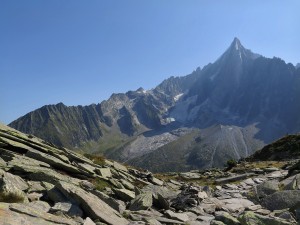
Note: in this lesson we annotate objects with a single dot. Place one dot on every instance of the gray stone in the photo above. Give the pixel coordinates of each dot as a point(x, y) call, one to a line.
point(36, 216)
point(249, 181)
point(190, 175)
point(124, 194)
point(67, 208)
point(292, 183)
point(233, 178)
point(254, 207)
point(34, 196)
point(226, 218)
point(215, 222)
point(127, 184)
point(177, 216)
point(250, 218)
point(267, 188)
point(141, 202)
point(35, 186)
point(263, 211)
point(40, 205)
point(198, 222)
point(282, 200)
point(202, 195)
point(208, 208)
point(21, 160)
point(11, 188)
point(37, 173)
point(236, 204)
point(51, 160)
point(87, 167)
point(161, 202)
point(3, 164)
point(92, 206)
point(115, 204)
point(168, 221)
point(86, 185)
point(205, 218)
point(116, 183)
point(118, 166)
point(276, 174)
point(156, 181)
point(88, 221)
point(17, 181)
point(104, 172)
point(56, 195)
point(152, 221)
point(258, 180)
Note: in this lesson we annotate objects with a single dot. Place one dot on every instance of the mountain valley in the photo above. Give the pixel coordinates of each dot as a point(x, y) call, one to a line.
point(226, 110)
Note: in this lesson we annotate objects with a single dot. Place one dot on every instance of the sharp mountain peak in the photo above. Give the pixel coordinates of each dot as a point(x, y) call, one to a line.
point(236, 44)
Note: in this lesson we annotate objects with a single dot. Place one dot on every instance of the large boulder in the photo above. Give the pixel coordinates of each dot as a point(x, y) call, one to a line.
point(124, 194)
point(11, 188)
point(226, 218)
point(141, 202)
point(26, 214)
point(267, 188)
point(92, 206)
point(282, 200)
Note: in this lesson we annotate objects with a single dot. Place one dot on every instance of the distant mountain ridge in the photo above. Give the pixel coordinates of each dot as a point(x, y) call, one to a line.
point(228, 109)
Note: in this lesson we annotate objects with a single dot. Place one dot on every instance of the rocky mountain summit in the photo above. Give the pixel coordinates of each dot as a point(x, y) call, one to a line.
point(43, 184)
point(228, 109)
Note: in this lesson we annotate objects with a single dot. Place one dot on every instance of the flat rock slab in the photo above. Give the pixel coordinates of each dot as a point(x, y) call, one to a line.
point(15, 214)
point(51, 160)
point(104, 172)
point(124, 194)
point(118, 166)
point(183, 217)
point(87, 167)
point(236, 204)
point(233, 178)
point(92, 205)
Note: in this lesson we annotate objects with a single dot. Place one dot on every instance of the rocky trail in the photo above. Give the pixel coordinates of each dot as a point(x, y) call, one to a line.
point(42, 184)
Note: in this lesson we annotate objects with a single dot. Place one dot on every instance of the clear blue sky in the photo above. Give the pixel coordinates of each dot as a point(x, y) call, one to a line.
point(80, 52)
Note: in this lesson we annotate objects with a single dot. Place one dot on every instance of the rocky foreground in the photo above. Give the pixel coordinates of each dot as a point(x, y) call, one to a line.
point(42, 184)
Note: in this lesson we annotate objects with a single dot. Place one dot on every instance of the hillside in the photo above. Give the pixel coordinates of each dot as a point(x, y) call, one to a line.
point(45, 185)
point(286, 148)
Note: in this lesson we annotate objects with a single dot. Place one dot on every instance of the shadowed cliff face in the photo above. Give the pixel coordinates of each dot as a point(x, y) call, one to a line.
point(235, 105)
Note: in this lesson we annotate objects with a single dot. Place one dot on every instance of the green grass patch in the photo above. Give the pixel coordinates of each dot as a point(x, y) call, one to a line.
point(100, 184)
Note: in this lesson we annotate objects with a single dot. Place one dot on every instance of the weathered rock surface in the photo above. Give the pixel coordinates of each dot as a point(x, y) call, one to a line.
point(250, 218)
point(43, 184)
point(267, 188)
point(91, 205)
point(141, 202)
point(282, 200)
